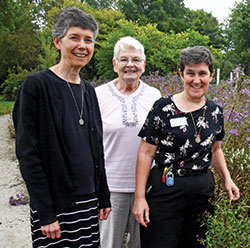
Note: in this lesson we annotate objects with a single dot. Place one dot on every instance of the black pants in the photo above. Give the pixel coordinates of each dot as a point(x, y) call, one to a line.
point(176, 212)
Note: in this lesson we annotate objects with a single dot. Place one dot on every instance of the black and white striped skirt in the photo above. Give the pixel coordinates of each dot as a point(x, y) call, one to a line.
point(79, 227)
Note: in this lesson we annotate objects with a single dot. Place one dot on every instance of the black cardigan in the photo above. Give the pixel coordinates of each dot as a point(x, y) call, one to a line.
point(40, 147)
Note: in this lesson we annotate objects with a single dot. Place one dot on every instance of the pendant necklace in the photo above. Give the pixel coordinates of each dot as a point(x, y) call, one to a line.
point(80, 112)
point(197, 134)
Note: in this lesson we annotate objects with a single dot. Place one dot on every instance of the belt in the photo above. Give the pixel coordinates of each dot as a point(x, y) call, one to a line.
point(183, 172)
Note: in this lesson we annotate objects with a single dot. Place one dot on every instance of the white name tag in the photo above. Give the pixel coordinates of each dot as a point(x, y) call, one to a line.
point(176, 122)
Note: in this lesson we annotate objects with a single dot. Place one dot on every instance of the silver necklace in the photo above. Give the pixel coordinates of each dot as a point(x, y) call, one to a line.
point(197, 134)
point(80, 112)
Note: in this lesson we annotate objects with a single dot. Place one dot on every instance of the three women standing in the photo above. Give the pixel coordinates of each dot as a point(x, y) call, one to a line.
point(59, 141)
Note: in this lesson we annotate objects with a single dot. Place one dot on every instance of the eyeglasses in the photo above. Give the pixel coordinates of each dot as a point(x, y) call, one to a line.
point(135, 61)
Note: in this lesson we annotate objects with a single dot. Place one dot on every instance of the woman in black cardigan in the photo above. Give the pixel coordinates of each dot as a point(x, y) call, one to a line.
point(59, 141)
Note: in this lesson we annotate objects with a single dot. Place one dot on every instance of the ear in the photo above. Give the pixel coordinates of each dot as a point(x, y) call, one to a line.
point(180, 73)
point(211, 76)
point(57, 43)
point(114, 65)
point(144, 66)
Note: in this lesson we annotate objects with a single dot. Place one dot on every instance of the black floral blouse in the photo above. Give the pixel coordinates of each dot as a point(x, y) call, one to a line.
point(174, 134)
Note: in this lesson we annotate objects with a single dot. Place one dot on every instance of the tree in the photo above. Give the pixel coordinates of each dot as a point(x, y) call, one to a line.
point(238, 32)
point(19, 37)
point(161, 49)
point(206, 24)
point(102, 4)
point(167, 14)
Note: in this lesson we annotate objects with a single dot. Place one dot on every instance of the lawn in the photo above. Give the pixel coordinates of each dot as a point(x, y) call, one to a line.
point(5, 106)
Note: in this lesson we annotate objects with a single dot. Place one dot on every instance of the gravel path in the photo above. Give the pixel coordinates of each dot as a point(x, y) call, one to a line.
point(14, 220)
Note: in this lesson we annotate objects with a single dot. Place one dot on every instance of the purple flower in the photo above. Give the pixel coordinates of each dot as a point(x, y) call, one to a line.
point(234, 131)
point(247, 139)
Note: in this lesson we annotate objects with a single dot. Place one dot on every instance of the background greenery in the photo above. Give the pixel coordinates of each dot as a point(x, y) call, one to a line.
point(164, 27)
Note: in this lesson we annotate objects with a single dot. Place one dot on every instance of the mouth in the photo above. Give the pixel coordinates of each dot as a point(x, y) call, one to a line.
point(199, 86)
point(80, 55)
point(130, 71)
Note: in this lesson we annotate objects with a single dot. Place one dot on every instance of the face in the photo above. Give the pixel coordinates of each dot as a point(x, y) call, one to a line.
point(76, 47)
point(196, 80)
point(129, 65)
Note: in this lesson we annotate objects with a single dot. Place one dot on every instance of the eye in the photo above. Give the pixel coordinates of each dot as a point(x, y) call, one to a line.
point(124, 60)
point(136, 60)
point(74, 38)
point(89, 41)
point(203, 73)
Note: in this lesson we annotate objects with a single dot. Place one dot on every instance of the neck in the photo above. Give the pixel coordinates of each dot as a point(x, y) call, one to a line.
point(193, 104)
point(68, 74)
point(127, 88)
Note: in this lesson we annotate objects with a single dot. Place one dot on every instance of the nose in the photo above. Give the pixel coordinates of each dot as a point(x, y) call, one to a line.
point(130, 63)
point(197, 79)
point(82, 43)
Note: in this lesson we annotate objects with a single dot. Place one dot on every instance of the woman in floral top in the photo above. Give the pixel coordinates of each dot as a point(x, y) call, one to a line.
point(181, 137)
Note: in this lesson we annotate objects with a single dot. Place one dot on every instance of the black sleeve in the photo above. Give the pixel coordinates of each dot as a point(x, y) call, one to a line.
point(25, 118)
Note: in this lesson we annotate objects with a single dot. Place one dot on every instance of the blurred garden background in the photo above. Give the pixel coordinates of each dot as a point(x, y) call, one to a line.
point(164, 27)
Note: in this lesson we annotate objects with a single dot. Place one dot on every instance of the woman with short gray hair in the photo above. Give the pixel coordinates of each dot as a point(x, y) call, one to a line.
point(180, 139)
point(59, 141)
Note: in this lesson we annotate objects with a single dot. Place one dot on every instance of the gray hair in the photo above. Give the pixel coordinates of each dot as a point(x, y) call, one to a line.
point(128, 41)
point(195, 55)
point(73, 17)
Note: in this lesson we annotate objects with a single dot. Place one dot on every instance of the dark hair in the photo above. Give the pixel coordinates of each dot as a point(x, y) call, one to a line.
point(73, 17)
point(196, 55)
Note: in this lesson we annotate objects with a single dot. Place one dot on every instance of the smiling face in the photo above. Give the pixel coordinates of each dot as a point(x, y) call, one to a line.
point(129, 65)
point(76, 47)
point(196, 80)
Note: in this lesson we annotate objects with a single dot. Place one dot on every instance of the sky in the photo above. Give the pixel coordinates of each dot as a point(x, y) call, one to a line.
point(219, 8)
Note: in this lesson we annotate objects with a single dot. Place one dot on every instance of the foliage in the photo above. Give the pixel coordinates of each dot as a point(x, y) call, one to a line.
point(238, 34)
point(11, 85)
point(234, 96)
point(162, 50)
point(167, 14)
point(206, 24)
point(229, 226)
point(19, 37)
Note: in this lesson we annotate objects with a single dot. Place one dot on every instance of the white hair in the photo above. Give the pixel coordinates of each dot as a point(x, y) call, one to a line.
point(128, 41)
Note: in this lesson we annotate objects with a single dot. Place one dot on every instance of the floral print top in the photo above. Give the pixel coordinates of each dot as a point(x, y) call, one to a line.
point(174, 134)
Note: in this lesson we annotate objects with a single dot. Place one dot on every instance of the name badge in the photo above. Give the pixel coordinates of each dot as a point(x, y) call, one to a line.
point(176, 122)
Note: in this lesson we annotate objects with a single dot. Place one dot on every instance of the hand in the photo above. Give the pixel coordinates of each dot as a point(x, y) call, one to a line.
point(103, 213)
point(141, 211)
point(51, 230)
point(233, 192)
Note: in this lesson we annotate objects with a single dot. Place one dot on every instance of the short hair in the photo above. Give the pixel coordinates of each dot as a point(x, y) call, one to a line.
point(73, 17)
point(196, 55)
point(128, 41)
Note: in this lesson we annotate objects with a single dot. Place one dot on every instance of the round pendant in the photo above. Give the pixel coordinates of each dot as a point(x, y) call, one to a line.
point(198, 139)
point(81, 121)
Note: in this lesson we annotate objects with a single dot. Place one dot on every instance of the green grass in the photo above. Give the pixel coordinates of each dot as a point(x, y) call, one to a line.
point(5, 106)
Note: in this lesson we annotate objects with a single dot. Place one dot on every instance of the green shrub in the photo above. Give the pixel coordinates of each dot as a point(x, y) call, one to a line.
point(11, 85)
point(229, 227)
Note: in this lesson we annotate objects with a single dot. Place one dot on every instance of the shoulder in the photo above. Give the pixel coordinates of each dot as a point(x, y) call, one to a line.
point(35, 81)
point(161, 103)
point(103, 89)
point(152, 90)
